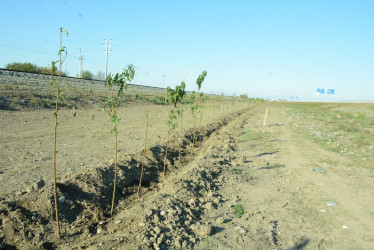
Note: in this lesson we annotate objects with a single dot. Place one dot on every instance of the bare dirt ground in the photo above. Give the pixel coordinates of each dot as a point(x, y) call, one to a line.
point(285, 197)
point(26, 139)
point(244, 186)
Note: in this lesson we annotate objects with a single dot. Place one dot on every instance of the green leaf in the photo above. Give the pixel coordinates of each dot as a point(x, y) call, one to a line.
point(93, 117)
point(63, 29)
point(200, 79)
point(113, 102)
point(74, 112)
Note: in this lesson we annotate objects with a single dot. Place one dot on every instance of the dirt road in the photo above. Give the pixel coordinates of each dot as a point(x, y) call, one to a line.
point(285, 197)
point(246, 186)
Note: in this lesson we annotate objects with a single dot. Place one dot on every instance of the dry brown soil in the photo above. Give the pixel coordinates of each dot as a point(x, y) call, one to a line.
point(26, 139)
point(243, 186)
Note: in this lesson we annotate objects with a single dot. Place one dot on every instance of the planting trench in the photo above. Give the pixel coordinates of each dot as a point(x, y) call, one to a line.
point(166, 215)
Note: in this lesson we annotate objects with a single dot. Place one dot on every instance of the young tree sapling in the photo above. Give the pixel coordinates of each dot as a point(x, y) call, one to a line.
point(62, 54)
point(195, 107)
point(172, 97)
point(119, 81)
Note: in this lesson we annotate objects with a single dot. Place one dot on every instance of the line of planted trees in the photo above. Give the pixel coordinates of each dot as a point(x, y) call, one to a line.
point(117, 84)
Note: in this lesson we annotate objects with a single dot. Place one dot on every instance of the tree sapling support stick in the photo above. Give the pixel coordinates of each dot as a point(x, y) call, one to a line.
point(266, 115)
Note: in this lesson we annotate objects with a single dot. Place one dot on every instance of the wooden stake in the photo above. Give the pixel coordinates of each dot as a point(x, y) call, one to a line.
point(266, 115)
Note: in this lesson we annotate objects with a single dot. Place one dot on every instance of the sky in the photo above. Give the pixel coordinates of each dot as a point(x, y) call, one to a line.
point(267, 49)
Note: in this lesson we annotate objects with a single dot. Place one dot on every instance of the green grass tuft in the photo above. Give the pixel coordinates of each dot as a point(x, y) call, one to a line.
point(238, 210)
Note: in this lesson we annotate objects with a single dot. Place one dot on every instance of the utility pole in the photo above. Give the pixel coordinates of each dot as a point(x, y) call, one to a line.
point(107, 45)
point(163, 80)
point(80, 58)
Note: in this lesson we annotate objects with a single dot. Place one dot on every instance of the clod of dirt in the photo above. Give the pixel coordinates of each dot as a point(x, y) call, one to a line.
point(202, 229)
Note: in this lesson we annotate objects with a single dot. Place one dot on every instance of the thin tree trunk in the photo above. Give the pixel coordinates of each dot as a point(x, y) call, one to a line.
point(55, 141)
point(194, 131)
point(194, 128)
point(115, 173)
point(181, 137)
point(54, 162)
point(201, 130)
point(144, 153)
point(166, 154)
point(217, 113)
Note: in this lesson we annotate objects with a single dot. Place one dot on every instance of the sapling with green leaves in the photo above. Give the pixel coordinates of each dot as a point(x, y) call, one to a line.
point(193, 108)
point(172, 97)
point(117, 82)
point(62, 55)
point(194, 99)
point(203, 99)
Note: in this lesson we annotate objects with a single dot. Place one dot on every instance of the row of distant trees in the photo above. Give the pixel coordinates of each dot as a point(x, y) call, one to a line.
point(50, 70)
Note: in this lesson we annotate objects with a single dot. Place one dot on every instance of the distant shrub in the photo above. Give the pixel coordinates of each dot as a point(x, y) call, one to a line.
point(87, 75)
point(45, 70)
point(52, 70)
point(24, 67)
point(33, 68)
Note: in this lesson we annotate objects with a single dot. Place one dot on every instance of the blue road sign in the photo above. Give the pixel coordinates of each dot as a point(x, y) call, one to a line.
point(321, 91)
point(331, 91)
